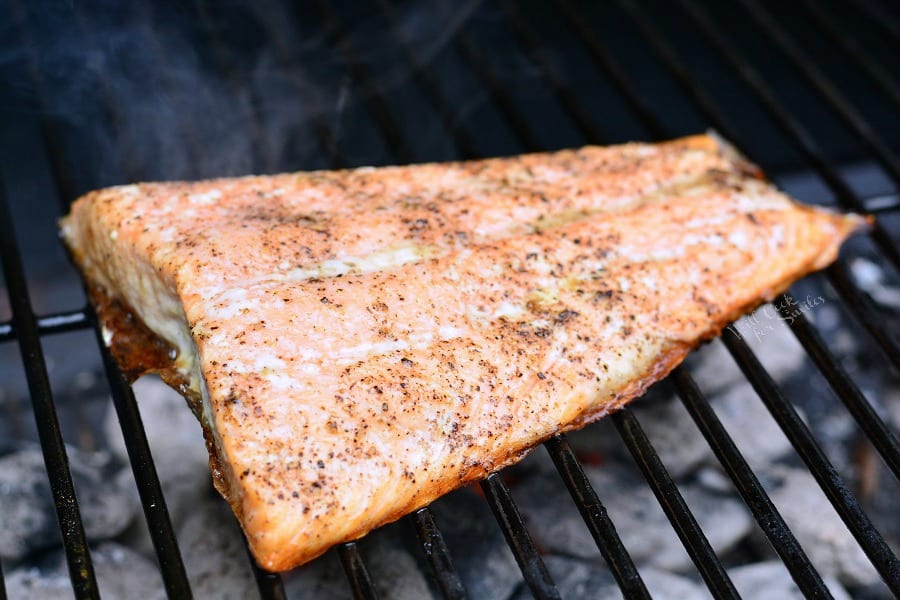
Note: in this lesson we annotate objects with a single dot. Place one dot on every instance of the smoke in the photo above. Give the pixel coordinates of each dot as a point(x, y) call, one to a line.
point(175, 91)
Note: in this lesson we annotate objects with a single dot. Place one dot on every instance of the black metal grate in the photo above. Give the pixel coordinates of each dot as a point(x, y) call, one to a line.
point(698, 100)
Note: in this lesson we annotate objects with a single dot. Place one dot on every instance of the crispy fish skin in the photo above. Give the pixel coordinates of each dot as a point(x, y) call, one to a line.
point(358, 343)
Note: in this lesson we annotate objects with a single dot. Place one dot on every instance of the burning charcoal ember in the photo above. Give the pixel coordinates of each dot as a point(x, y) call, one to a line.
point(28, 520)
point(772, 581)
point(580, 580)
point(214, 555)
point(176, 441)
point(645, 531)
point(826, 540)
point(480, 554)
point(121, 574)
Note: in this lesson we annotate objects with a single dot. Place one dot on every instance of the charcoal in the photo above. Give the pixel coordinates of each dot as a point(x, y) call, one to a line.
point(176, 442)
point(28, 519)
point(580, 580)
point(772, 581)
point(674, 435)
point(751, 426)
point(214, 553)
point(121, 574)
point(643, 527)
point(323, 579)
point(871, 278)
point(767, 334)
point(480, 554)
point(820, 531)
point(394, 572)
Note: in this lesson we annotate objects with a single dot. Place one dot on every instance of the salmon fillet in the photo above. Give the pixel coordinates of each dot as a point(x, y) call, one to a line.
point(357, 343)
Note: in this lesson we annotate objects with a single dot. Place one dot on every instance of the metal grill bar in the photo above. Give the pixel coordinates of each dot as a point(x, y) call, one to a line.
point(861, 309)
point(153, 502)
point(595, 516)
point(883, 203)
point(874, 427)
point(61, 322)
point(798, 433)
point(428, 84)
point(680, 516)
point(438, 555)
point(652, 480)
point(8, 331)
point(826, 22)
point(81, 569)
point(530, 562)
point(612, 68)
point(884, 440)
point(262, 155)
point(564, 93)
point(586, 499)
point(375, 101)
point(835, 100)
point(149, 488)
point(767, 516)
point(804, 139)
point(269, 585)
point(2, 584)
point(517, 121)
point(878, 16)
point(357, 573)
point(434, 548)
point(673, 504)
point(865, 311)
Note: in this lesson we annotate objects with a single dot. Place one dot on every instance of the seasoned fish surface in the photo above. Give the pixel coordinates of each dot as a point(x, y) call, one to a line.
point(357, 343)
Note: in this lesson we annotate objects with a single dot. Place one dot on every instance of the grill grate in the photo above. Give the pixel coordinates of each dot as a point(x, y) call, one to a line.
point(27, 329)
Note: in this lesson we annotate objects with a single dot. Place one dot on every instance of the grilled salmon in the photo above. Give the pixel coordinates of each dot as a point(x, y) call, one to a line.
point(357, 343)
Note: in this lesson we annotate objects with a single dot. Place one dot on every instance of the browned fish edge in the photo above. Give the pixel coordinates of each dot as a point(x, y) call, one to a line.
point(138, 351)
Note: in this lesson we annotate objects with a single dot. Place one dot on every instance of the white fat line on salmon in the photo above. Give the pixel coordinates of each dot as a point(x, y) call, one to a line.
point(409, 253)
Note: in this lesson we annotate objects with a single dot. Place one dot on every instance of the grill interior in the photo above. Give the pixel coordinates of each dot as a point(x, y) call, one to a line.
point(104, 95)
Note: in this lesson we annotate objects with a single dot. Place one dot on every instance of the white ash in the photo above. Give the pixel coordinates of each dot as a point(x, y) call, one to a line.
point(121, 574)
point(580, 580)
point(395, 573)
point(177, 446)
point(645, 531)
point(28, 519)
point(768, 336)
point(323, 579)
point(715, 480)
point(818, 528)
point(665, 421)
point(673, 434)
point(214, 553)
point(871, 278)
point(479, 551)
point(772, 581)
point(751, 426)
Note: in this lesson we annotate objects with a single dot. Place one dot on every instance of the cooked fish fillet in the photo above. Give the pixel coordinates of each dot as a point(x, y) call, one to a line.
point(357, 343)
